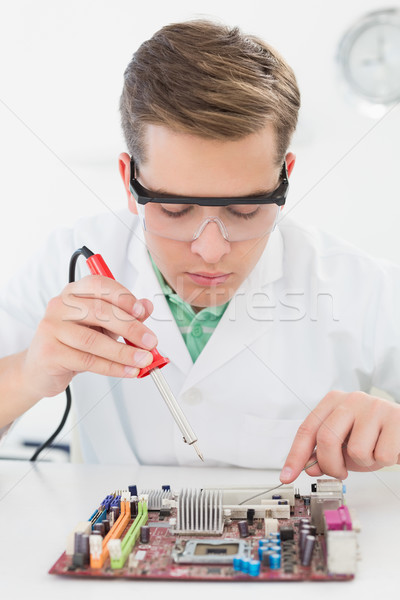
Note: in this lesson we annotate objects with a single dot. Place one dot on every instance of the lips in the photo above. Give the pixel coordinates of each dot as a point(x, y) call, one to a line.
point(208, 279)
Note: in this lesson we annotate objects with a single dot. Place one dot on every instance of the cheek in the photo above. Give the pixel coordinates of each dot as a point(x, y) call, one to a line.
point(167, 254)
point(246, 254)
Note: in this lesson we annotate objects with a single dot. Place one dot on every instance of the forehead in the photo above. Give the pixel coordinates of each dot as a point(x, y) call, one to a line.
point(186, 164)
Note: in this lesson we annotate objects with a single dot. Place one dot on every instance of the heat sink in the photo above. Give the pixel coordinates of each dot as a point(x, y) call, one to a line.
point(199, 512)
point(155, 498)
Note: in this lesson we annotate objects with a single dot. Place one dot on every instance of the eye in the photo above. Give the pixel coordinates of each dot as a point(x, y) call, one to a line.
point(243, 211)
point(175, 210)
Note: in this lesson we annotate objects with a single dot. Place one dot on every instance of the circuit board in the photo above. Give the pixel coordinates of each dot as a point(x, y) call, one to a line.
point(216, 535)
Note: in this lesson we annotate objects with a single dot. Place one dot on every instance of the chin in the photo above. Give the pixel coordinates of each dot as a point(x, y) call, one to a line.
point(204, 298)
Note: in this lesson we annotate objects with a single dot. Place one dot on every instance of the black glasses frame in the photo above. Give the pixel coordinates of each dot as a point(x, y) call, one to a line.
point(143, 195)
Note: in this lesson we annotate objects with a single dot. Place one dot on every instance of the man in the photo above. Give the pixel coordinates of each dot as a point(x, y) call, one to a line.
point(262, 324)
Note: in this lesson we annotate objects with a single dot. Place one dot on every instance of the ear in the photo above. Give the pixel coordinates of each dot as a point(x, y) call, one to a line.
point(290, 160)
point(124, 164)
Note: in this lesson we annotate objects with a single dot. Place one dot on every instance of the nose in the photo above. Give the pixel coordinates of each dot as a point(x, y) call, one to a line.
point(211, 244)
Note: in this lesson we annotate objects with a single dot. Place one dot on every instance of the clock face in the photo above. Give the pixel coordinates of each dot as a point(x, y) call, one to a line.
point(369, 55)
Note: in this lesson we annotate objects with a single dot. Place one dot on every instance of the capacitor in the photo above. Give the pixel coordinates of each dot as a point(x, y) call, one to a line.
point(250, 515)
point(77, 539)
point(144, 534)
point(307, 500)
point(263, 550)
point(99, 527)
point(275, 561)
point(245, 565)
point(84, 549)
point(134, 508)
point(114, 510)
point(313, 530)
point(303, 534)
point(106, 524)
point(263, 542)
point(275, 541)
point(237, 564)
point(243, 527)
point(265, 557)
point(254, 568)
point(308, 548)
point(304, 521)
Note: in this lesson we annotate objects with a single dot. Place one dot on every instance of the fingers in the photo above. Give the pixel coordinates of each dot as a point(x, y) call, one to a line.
point(108, 290)
point(306, 438)
point(98, 313)
point(77, 361)
point(387, 449)
point(363, 438)
point(90, 341)
point(350, 431)
point(331, 436)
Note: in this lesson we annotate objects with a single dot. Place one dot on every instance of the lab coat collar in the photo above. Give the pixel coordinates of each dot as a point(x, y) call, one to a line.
point(237, 328)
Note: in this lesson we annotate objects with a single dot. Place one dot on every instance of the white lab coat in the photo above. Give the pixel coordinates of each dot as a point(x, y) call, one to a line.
point(315, 314)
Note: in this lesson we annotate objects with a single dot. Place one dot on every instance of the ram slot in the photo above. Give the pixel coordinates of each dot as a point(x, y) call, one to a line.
point(130, 538)
point(97, 562)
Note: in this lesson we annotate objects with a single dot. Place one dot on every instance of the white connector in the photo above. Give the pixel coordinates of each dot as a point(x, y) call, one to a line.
point(115, 549)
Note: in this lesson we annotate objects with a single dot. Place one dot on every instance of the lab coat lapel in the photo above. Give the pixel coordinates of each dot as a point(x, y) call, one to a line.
point(249, 315)
point(144, 284)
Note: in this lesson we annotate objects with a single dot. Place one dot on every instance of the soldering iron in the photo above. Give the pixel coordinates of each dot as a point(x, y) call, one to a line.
point(98, 266)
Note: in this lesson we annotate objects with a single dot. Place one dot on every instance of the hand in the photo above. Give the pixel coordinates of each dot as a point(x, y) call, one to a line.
point(346, 431)
point(79, 332)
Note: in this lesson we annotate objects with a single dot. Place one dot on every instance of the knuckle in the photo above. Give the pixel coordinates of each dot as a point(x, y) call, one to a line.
point(385, 457)
point(122, 353)
point(305, 430)
point(99, 311)
point(331, 395)
point(88, 360)
point(114, 369)
point(132, 331)
point(327, 437)
point(355, 397)
point(359, 454)
point(53, 305)
point(88, 338)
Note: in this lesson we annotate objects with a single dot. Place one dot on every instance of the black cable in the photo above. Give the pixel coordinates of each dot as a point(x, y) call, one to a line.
point(84, 251)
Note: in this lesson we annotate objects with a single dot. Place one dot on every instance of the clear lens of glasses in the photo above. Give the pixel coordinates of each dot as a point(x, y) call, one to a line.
point(186, 222)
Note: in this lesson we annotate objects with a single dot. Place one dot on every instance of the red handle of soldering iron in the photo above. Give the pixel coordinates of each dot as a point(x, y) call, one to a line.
point(98, 266)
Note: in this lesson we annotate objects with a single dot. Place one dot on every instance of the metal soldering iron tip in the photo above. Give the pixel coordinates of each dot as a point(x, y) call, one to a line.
point(195, 446)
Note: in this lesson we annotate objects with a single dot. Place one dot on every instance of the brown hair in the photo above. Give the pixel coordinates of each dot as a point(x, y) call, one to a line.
point(209, 80)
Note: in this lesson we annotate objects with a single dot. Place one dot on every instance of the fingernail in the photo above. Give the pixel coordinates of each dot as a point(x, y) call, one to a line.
point(149, 340)
point(286, 473)
point(143, 358)
point(138, 310)
point(131, 371)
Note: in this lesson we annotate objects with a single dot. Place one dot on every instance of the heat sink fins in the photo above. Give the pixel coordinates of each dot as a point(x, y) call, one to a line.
point(155, 498)
point(199, 511)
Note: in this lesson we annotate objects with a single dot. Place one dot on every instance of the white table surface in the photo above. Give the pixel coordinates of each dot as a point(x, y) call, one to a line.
point(41, 503)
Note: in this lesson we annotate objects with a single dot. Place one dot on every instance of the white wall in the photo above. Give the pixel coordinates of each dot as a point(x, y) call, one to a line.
point(61, 76)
